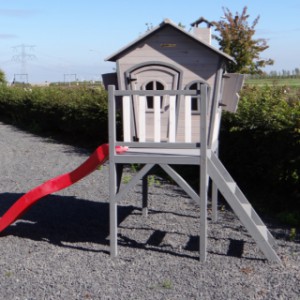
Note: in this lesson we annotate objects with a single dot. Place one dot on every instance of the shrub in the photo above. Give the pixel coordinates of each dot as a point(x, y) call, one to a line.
point(74, 112)
point(260, 144)
point(2, 77)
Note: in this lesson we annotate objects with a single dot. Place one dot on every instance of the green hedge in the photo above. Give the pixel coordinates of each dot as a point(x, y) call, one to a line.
point(77, 113)
point(260, 144)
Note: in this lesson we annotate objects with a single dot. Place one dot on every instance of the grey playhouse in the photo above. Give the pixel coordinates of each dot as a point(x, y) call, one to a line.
point(171, 86)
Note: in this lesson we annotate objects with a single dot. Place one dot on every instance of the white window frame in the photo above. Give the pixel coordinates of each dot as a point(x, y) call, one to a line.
point(155, 89)
point(198, 87)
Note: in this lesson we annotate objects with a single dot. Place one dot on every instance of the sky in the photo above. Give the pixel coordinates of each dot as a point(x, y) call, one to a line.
point(59, 40)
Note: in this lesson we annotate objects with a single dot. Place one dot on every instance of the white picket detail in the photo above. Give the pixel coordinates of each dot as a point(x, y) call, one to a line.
point(216, 126)
point(157, 121)
point(172, 119)
point(188, 119)
point(142, 118)
point(126, 119)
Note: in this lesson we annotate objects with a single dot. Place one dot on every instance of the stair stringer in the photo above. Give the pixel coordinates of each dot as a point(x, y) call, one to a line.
point(241, 207)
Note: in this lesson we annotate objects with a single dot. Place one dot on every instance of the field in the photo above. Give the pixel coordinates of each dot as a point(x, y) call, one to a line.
point(284, 81)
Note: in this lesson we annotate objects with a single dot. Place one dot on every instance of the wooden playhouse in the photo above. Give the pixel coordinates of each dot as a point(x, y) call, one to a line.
point(170, 58)
point(172, 86)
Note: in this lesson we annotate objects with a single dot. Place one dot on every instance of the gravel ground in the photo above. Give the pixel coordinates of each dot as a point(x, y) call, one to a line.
point(59, 249)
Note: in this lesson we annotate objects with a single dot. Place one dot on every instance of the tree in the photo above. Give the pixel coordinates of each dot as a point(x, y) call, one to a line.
point(236, 38)
point(2, 77)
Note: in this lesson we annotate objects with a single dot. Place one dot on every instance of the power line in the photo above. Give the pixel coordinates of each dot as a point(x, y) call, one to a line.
point(23, 56)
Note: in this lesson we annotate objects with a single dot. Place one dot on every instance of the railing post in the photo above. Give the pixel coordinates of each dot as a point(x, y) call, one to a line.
point(111, 116)
point(203, 172)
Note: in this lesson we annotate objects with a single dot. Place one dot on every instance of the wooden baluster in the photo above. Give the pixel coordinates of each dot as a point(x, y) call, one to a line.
point(126, 119)
point(142, 119)
point(157, 121)
point(172, 119)
point(188, 119)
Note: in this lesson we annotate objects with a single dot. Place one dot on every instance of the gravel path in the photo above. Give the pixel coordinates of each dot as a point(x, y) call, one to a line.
point(59, 249)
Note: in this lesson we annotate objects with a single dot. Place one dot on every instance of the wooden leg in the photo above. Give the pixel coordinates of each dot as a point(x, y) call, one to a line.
point(214, 199)
point(145, 196)
point(214, 202)
point(113, 213)
point(203, 174)
point(203, 213)
point(113, 229)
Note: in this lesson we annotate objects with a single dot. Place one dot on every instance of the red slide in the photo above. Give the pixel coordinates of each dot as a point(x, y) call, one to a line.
point(56, 184)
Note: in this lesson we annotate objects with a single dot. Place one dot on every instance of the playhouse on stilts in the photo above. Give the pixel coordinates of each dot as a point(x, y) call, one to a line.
point(171, 87)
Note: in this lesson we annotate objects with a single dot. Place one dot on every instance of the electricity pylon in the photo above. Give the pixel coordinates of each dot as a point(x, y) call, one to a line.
point(23, 56)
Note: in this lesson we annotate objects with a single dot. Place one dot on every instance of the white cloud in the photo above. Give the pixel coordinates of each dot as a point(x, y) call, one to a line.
point(7, 36)
point(23, 13)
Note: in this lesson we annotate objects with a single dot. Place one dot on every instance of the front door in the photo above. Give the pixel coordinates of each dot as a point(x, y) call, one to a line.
point(153, 77)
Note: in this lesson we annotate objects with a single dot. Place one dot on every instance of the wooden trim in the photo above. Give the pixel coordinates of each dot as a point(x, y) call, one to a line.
point(156, 93)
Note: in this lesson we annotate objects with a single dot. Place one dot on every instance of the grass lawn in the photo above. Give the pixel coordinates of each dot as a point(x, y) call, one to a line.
point(290, 82)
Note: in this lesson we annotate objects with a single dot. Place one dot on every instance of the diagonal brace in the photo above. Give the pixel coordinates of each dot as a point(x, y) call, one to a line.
point(134, 181)
point(181, 182)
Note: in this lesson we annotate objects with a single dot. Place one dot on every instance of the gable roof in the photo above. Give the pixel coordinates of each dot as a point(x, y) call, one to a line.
point(162, 25)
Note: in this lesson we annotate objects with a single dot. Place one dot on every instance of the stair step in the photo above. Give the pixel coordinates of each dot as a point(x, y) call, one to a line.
point(247, 208)
point(264, 231)
point(242, 208)
point(232, 186)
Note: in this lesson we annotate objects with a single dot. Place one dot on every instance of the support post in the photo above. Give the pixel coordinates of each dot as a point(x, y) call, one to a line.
point(113, 211)
point(214, 198)
point(203, 173)
point(113, 206)
point(145, 196)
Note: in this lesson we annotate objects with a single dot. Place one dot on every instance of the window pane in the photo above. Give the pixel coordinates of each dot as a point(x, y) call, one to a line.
point(159, 86)
point(154, 85)
point(150, 103)
point(149, 86)
point(193, 86)
point(195, 100)
point(194, 104)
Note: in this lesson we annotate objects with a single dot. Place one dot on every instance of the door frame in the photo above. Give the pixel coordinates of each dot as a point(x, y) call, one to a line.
point(159, 66)
point(166, 67)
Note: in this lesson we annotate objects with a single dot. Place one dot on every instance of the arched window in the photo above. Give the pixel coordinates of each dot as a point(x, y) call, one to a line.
point(195, 85)
point(155, 86)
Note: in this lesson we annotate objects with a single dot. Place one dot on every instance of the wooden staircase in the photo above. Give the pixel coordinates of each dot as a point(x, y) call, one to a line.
point(241, 207)
point(151, 147)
